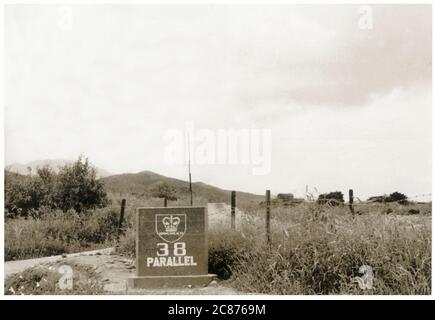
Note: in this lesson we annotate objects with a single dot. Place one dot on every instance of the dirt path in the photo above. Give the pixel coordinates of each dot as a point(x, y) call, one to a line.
point(219, 215)
point(113, 271)
point(18, 266)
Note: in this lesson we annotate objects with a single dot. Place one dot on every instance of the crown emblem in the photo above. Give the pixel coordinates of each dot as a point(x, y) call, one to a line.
point(171, 224)
point(170, 227)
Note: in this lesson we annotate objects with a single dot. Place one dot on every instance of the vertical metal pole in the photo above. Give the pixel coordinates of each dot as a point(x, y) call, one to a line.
point(233, 209)
point(165, 202)
point(190, 175)
point(121, 218)
point(268, 216)
point(190, 188)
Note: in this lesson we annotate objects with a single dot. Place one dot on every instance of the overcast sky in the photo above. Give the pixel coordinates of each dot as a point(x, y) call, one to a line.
point(346, 107)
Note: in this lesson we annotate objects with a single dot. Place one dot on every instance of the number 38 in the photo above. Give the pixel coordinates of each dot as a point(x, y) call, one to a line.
point(179, 249)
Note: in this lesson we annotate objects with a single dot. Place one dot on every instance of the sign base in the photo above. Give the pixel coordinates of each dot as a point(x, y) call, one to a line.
point(170, 281)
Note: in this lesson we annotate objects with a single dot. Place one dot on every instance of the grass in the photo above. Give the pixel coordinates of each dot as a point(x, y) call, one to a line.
point(45, 280)
point(319, 250)
point(314, 250)
point(56, 232)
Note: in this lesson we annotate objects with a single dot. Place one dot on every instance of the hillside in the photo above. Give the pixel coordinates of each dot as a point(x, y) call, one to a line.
point(55, 164)
point(140, 185)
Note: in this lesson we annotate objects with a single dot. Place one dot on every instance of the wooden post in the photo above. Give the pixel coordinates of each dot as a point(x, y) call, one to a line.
point(268, 216)
point(233, 209)
point(121, 218)
point(165, 202)
point(351, 201)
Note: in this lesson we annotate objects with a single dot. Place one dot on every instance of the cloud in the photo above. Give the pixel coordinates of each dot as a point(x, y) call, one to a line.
point(113, 84)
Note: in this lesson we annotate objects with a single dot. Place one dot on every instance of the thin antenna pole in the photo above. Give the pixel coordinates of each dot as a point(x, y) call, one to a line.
point(190, 175)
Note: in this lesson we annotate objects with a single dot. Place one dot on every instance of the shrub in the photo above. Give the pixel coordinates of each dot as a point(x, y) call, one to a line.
point(78, 188)
point(397, 197)
point(333, 198)
point(393, 197)
point(21, 196)
point(74, 187)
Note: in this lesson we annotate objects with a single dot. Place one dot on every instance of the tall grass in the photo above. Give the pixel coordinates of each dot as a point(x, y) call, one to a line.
point(57, 232)
point(319, 250)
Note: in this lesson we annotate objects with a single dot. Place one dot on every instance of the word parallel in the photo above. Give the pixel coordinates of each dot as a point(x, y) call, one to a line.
point(183, 261)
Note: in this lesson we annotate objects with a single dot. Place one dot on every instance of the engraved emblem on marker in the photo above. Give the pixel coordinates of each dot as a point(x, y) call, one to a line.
point(171, 227)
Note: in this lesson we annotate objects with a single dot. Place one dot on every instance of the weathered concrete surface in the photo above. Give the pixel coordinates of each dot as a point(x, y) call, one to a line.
point(171, 248)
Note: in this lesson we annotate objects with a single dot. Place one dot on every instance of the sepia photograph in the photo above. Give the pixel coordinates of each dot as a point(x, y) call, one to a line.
point(231, 150)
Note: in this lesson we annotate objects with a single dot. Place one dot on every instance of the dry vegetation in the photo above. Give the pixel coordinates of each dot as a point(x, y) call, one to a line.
point(315, 248)
point(319, 249)
point(57, 232)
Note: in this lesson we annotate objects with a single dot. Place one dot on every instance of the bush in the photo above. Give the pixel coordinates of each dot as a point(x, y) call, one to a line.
point(78, 188)
point(74, 187)
point(21, 196)
point(397, 197)
point(393, 197)
point(333, 198)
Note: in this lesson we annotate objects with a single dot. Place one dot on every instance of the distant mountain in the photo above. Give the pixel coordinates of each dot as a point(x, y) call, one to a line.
point(140, 185)
point(55, 164)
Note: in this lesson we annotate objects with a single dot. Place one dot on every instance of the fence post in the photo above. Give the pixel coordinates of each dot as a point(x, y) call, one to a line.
point(121, 218)
point(165, 202)
point(233, 209)
point(268, 216)
point(351, 201)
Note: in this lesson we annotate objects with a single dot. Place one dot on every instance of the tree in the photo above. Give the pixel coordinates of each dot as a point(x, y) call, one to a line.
point(333, 198)
point(77, 187)
point(392, 197)
point(74, 187)
point(21, 196)
point(46, 180)
point(164, 190)
point(397, 197)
